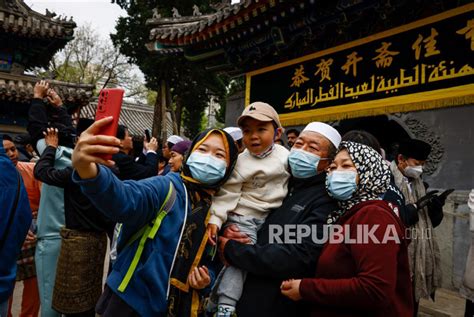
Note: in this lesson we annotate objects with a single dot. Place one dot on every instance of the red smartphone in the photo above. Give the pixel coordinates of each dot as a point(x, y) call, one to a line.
point(110, 104)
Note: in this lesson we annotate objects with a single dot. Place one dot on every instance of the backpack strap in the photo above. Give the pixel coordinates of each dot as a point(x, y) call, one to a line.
point(148, 232)
point(12, 213)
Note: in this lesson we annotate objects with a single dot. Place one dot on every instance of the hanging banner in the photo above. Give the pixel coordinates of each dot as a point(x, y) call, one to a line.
point(422, 65)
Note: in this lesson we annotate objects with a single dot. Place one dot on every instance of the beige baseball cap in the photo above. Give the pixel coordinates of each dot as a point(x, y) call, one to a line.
point(260, 111)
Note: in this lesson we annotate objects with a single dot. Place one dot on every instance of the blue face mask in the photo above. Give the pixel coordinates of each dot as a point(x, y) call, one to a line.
point(303, 164)
point(342, 184)
point(206, 168)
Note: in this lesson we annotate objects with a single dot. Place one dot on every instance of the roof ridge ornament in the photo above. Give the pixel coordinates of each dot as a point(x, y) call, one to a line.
point(50, 14)
point(196, 11)
point(175, 13)
point(156, 14)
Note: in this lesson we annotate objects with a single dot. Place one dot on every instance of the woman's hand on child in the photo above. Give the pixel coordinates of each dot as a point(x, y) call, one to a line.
point(212, 233)
point(199, 278)
point(232, 232)
point(84, 157)
point(51, 137)
point(291, 289)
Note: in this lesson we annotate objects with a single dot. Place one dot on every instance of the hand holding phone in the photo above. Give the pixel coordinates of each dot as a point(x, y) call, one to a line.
point(147, 135)
point(110, 104)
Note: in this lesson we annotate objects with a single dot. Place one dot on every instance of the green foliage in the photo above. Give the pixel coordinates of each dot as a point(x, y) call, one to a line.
point(191, 82)
point(151, 97)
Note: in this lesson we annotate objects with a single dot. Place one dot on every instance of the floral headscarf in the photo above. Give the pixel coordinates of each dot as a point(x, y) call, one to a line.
point(374, 177)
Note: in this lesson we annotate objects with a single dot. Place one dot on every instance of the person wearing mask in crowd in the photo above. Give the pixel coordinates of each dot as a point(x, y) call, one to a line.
point(166, 149)
point(393, 194)
point(26, 271)
point(467, 286)
point(366, 277)
point(237, 135)
point(307, 203)
point(51, 208)
point(424, 252)
point(15, 219)
point(257, 185)
point(177, 155)
point(153, 212)
point(78, 283)
point(125, 163)
point(292, 135)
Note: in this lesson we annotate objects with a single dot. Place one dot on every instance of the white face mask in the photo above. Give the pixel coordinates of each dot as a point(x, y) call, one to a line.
point(413, 171)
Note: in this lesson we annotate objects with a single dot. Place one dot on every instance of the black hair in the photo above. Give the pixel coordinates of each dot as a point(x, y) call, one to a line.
point(170, 145)
point(7, 137)
point(83, 124)
point(295, 131)
point(363, 137)
point(23, 139)
point(121, 131)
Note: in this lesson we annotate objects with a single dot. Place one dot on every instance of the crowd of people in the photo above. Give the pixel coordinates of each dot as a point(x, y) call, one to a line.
point(230, 223)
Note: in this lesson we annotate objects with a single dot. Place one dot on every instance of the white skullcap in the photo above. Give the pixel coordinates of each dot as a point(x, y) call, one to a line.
point(326, 130)
point(234, 132)
point(175, 139)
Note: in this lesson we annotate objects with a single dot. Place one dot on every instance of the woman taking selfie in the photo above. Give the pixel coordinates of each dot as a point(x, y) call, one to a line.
point(153, 212)
point(365, 277)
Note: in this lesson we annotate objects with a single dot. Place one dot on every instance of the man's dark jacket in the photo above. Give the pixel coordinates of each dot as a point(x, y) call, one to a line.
point(268, 265)
point(129, 169)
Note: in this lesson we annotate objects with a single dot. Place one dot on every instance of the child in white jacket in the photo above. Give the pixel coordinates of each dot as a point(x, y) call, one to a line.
point(258, 184)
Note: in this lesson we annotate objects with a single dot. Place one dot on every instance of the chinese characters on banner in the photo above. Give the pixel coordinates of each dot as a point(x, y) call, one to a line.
point(428, 55)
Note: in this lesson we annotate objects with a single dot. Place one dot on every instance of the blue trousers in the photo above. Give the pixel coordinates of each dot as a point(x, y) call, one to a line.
point(46, 258)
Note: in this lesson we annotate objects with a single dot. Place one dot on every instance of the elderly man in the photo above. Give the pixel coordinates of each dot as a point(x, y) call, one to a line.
point(307, 204)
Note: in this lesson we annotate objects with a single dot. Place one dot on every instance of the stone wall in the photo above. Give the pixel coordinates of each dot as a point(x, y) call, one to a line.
point(235, 106)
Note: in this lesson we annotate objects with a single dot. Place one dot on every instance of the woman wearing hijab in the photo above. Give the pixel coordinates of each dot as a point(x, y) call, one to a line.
point(159, 215)
point(177, 155)
point(364, 278)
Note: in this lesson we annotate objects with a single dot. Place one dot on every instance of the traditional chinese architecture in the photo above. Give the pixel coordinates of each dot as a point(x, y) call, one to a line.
point(29, 39)
point(136, 117)
point(394, 68)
